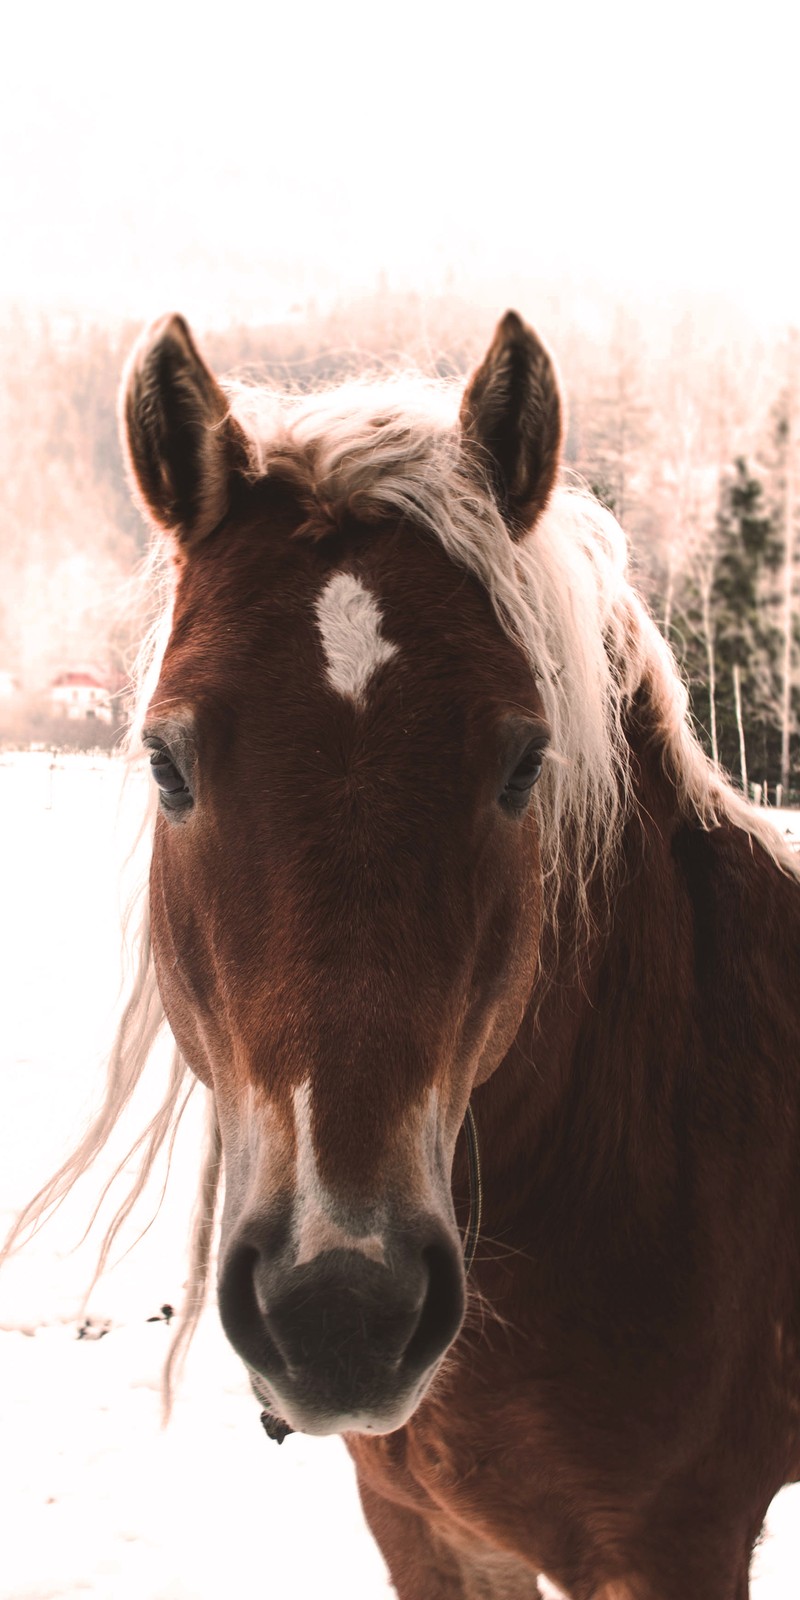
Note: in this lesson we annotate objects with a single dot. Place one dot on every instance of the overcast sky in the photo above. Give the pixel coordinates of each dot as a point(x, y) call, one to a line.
point(233, 159)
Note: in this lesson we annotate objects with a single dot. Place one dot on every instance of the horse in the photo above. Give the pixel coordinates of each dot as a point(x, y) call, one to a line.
point(449, 911)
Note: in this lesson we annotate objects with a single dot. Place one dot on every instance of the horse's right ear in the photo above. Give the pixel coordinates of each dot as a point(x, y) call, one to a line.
point(181, 443)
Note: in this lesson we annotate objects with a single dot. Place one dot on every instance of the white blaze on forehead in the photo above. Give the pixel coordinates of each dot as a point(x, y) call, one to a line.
point(349, 621)
point(317, 1229)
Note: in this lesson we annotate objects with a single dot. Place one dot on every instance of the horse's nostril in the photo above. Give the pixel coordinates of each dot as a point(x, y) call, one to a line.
point(241, 1313)
point(442, 1309)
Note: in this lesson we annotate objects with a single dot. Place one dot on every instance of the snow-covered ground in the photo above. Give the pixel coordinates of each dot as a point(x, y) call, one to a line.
point(96, 1499)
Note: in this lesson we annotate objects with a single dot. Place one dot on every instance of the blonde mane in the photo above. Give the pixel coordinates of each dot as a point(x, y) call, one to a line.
point(392, 449)
point(378, 449)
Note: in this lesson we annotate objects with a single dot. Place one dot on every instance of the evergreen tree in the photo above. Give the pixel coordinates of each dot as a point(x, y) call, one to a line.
point(721, 624)
point(747, 550)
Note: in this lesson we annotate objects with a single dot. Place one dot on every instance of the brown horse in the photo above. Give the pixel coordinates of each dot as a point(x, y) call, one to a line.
point(434, 833)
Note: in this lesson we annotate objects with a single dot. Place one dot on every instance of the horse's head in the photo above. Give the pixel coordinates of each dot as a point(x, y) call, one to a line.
point(346, 886)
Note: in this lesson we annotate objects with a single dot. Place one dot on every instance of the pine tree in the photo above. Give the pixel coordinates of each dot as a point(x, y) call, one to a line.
point(746, 545)
point(721, 626)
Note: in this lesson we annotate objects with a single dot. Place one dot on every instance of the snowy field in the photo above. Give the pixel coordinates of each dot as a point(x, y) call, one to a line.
point(96, 1499)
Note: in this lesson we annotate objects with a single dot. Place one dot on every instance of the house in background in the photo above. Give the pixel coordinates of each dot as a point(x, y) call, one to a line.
point(80, 694)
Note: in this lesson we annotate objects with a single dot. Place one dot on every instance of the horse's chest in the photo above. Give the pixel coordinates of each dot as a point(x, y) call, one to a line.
point(507, 1462)
point(490, 1485)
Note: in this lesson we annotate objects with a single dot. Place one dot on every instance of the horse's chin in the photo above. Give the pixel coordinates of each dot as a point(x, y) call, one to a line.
point(297, 1416)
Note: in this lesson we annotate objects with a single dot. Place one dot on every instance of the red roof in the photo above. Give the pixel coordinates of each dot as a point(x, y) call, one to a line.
point(76, 680)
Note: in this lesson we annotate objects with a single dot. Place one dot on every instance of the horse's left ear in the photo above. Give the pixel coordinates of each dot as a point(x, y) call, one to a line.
point(511, 422)
point(181, 442)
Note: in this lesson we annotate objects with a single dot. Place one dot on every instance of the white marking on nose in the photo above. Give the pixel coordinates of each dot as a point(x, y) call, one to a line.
point(317, 1229)
point(349, 621)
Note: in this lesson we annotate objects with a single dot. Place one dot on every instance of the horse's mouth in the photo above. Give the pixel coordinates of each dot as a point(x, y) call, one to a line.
point(280, 1418)
point(266, 1400)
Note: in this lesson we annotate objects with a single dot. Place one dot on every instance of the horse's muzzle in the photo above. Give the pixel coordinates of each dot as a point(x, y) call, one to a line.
point(343, 1343)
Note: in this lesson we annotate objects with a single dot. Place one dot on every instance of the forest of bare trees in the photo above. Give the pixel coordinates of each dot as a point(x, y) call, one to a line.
point(685, 424)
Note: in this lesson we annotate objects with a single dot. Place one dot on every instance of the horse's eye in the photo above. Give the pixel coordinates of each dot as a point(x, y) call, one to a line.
point(517, 790)
point(172, 786)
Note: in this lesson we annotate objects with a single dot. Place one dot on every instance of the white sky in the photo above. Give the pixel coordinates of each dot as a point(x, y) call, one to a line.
point(233, 158)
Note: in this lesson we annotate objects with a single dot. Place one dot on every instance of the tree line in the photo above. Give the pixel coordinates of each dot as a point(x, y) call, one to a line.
point(685, 424)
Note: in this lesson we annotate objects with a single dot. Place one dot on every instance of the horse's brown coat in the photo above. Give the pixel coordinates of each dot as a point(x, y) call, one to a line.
point(348, 906)
point(637, 1407)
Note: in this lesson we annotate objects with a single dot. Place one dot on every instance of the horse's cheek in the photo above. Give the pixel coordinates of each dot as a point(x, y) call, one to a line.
point(507, 966)
point(181, 969)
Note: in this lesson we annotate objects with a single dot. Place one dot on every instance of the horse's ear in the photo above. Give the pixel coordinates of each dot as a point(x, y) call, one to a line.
point(511, 422)
point(181, 443)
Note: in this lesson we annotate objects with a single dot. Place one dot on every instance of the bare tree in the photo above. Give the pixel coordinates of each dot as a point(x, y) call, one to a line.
point(788, 575)
point(737, 700)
